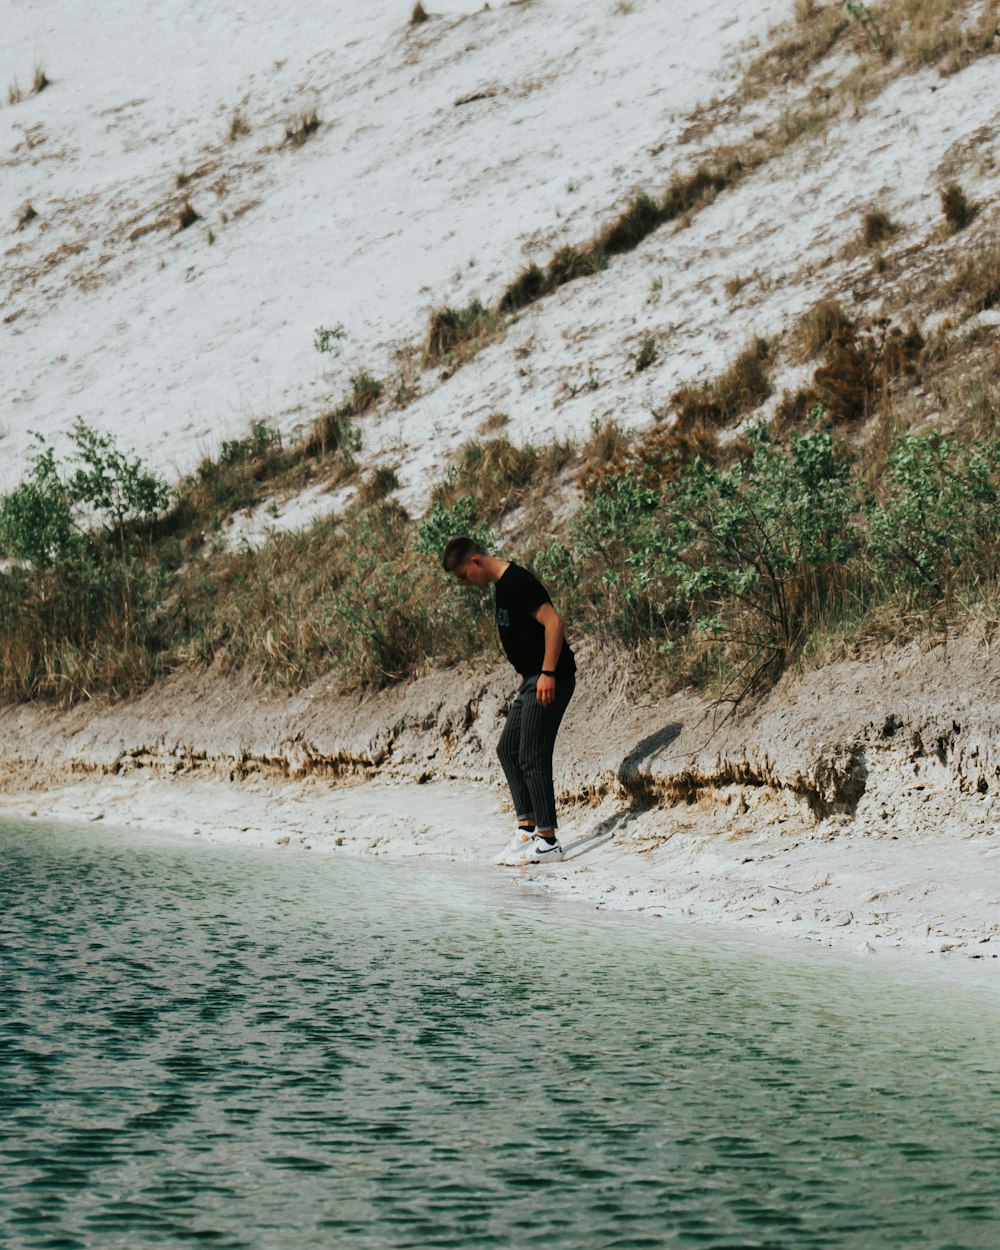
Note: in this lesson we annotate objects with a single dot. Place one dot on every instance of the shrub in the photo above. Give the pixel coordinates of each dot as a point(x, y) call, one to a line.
point(936, 519)
point(859, 368)
point(757, 546)
point(36, 518)
point(957, 209)
point(419, 14)
point(570, 263)
point(443, 523)
point(646, 355)
point(379, 482)
point(333, 432)
point(81, 616)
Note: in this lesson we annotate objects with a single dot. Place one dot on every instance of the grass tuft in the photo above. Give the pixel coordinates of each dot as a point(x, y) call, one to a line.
point(39, 80)
point(26, 216)
point(419, 14)
point(877, 227)
point(238, 126)
point(529, 285)
point(452, 331)
point(186, 216)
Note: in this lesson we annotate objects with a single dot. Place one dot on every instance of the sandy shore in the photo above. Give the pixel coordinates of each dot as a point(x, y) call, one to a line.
point(825, 883)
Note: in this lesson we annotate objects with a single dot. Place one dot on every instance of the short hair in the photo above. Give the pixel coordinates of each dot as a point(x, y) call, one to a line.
point(458, 551)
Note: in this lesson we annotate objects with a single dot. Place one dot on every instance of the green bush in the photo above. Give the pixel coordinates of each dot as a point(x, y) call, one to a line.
point(935, 522)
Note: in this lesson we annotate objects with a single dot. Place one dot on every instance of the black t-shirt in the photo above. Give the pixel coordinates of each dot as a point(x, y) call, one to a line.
point(519, 594)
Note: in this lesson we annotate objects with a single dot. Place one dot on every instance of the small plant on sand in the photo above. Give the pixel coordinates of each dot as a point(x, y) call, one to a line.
point(39, 80)
point(646, 355)
point(14, 93)
point(418, 15)
point(326, 338)
point(299, 129)
point(866, 23)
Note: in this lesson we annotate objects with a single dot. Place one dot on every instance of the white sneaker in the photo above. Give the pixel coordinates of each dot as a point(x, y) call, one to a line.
point(537, 851)
point(518, 842)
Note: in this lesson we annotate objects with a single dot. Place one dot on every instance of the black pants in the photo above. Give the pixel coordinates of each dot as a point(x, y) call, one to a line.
point(525, 750)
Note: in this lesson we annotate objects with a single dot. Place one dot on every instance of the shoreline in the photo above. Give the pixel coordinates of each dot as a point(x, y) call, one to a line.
point(825, 884)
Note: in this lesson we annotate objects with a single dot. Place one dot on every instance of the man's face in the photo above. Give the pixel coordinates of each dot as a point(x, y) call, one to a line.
point(472, 573)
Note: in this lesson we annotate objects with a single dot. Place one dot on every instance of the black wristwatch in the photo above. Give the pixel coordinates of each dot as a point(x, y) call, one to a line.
point(546, 672)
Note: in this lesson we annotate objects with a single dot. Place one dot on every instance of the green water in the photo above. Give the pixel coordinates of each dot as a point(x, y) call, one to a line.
point(259, 1048)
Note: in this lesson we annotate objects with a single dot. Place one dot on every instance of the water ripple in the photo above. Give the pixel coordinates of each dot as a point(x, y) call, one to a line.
point(251, 1050)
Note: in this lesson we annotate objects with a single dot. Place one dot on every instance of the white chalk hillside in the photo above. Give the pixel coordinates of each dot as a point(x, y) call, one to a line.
point(405, 199)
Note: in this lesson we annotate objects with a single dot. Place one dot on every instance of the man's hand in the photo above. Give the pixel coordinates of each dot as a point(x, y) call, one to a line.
point(545, 690)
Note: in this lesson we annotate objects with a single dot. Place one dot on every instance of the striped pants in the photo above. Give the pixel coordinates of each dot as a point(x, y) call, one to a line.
point(525, 750)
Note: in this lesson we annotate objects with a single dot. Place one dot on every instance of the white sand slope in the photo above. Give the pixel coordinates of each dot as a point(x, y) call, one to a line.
point(401, 199)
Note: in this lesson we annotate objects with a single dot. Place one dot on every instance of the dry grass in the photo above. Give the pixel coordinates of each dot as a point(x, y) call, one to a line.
point(976, 282)
point(737, 391)
point(657, 456)
point(495, 473)
point(14, 93)
point(39, 80)
point(817, 326)
point(419, 14)
point(377, 484)
point(456, 334)
point(931, 32)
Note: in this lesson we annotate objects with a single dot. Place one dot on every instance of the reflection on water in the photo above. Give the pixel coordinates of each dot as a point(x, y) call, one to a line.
point(244, 1048)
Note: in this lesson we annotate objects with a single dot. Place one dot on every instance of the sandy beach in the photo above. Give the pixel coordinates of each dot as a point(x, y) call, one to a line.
point(825, 884)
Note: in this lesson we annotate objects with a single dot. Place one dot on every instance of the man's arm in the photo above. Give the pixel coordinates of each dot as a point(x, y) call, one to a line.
point(551, 622)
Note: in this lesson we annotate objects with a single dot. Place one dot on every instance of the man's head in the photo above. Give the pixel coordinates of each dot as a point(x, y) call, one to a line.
point(465, 558)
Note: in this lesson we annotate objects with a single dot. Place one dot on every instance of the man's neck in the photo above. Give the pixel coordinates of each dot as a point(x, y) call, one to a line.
point(495, 567)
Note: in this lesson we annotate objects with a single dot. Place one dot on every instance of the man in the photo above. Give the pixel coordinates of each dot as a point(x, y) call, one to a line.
point(532, 634)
